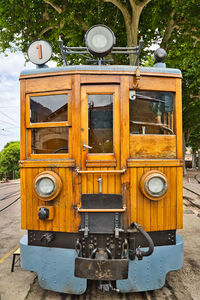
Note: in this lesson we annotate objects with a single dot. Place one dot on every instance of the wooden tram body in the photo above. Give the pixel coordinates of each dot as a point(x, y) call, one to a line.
point(137, 153)
point(123, 153)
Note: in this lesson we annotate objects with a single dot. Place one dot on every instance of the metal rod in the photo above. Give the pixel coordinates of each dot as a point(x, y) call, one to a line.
point(101, 209)
point(78, 171)
point(100, 185)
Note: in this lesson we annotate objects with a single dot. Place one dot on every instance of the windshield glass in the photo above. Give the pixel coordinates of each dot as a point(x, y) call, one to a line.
point(151, 112)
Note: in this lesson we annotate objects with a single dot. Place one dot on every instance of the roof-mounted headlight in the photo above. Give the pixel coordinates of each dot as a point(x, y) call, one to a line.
point(99, 40)
point(47, 185)
point(154, 185)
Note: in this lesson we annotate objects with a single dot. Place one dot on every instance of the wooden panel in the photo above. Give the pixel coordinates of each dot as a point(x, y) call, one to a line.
point(101, 160)
point(49, 163)
point(101, 163)
point(178, 112)
point(95, 79)
point(53, 83)
point(133, 194)
point(161, 207)
point(124, 144)
point(23, 200)
point(154, 162)
point(173, 198)
point(154, 84)
point(63, 204)
point(179, 198)
point(147, 216)
point(22, 120)
point(164, 214)
point(152, 146)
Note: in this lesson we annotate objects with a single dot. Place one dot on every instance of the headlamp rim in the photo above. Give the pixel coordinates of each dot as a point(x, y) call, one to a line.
point(57, 185)
point(144, 184)
point(99, 54)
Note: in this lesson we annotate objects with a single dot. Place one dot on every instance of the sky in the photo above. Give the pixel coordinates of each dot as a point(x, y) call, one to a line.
point(10, 69)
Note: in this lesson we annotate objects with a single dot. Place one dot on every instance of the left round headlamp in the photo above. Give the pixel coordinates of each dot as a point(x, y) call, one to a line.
point(47, 185)
point(154, 185)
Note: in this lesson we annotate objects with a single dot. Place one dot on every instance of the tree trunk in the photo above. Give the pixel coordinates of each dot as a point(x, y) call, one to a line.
point(194, 159)
point(198, 159)
point(184, 168)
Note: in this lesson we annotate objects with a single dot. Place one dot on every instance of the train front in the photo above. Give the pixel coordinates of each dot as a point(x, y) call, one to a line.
point(101, 171)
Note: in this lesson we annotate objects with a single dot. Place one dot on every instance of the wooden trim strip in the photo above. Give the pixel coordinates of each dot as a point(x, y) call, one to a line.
point(78, 171)
point(154, 163)
point(69, 163)
point(101, 163)
point(48, 124)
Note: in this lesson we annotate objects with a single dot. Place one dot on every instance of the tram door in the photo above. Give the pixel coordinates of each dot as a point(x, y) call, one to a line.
point(100, 138)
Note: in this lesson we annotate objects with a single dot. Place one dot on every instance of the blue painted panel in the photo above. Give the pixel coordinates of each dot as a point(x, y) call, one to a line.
point(150, 273)
point(54, 266)
point(157, 69)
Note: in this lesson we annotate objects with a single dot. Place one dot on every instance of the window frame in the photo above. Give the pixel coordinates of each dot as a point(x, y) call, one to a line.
point(30, 126)
point(98, 159)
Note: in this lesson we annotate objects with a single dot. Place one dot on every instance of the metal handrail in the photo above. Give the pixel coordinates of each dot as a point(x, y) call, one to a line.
point(101, 209)
point(78, 171)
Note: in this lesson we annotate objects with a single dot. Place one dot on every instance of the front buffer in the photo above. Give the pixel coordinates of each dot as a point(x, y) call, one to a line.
point(56, 268)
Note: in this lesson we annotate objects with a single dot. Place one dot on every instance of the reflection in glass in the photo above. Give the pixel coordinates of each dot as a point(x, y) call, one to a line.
point(51, 108)
point(100, 119)
point(151, 112)
point(49, 140)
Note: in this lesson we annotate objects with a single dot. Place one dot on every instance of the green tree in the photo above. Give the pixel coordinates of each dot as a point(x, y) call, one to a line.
point(9, 158)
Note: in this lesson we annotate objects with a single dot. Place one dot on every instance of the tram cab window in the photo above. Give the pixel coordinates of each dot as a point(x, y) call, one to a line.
point(151, 112)
point(50, 140)
point(100, 122)
point(50, 108)
point(45, 112)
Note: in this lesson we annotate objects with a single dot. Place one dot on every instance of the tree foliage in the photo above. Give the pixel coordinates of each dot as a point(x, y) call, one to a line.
point(9, 158)
point(173, 24)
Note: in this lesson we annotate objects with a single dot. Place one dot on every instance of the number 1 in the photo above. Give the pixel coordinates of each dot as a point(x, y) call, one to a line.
point(39, 47)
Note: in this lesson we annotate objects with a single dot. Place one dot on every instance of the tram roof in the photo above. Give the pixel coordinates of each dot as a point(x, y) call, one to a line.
point(115, 68)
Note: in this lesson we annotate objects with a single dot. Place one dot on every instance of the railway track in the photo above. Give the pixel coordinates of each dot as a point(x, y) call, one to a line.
point(191, 193)
point(9, 197)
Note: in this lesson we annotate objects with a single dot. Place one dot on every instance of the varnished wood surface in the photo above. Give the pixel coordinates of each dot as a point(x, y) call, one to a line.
point(138, 154)
point(164, 214)
point(152, 146)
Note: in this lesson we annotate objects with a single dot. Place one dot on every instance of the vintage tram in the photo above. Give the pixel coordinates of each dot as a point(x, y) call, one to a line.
point(101, 172)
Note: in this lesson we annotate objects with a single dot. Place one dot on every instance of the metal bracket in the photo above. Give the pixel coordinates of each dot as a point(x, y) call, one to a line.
point(86, 228)
point(117, 229)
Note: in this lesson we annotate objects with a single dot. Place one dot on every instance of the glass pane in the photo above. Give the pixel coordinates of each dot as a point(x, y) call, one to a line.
point(49, 140)
point(100, 119)
point(151, 112)
point(51, 108)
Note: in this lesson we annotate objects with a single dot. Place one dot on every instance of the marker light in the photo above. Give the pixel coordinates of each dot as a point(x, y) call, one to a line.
point(99, 40)
point(47, 185)
point(154, 185)
point(160, 54)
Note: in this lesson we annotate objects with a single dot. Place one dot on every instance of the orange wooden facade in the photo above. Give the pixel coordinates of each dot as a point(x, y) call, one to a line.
point(135, 153)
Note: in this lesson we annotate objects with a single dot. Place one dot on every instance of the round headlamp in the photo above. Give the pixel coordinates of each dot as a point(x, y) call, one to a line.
point(154, 185)
point(47, 185)
point(99, 40)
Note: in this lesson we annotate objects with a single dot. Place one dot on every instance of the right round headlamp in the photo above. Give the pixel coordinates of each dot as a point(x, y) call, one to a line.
point(154, 185)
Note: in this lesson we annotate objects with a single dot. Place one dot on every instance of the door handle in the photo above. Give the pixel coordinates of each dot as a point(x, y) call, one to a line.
point(86, 146)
